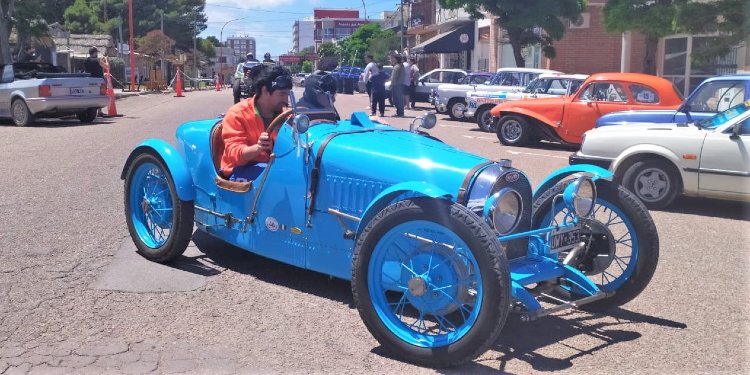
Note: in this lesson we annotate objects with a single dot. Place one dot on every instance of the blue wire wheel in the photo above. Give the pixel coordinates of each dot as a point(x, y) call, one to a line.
point(622, 245)
point(159, 222)
point(431, 282)
point(424, 283)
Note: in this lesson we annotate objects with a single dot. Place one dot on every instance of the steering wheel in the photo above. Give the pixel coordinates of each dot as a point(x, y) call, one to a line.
point(276, 123)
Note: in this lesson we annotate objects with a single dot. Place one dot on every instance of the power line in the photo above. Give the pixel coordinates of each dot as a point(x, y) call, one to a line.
point(253, 9)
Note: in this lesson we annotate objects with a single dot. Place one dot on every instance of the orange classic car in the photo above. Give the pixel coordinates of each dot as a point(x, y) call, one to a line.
point(565, 119)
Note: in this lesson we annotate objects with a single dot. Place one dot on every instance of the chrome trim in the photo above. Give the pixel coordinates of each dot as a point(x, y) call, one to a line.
point(343, 215)
point(717, 171)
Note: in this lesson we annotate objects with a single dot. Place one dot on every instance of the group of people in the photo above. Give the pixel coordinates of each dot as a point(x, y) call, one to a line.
point(403, 83)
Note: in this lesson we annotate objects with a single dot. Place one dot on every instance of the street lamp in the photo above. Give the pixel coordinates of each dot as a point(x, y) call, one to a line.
point(221, 41)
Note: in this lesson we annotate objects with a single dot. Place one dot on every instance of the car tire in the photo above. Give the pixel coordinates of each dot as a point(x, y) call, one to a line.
point(20, 113)
point(456, 108)
point(88, 116)
point(152, 208)
point(513, 130)
point(484, 119)
point(236, 93)
point(622, 249)
point(379, 275)
point(653, 181)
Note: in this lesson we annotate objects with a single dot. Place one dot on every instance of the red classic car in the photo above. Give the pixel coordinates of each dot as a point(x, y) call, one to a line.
point(565, 119)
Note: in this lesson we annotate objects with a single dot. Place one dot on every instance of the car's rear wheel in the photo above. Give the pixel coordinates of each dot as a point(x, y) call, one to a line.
point(159, 222)
point(87, 116)
point(513, 130)
point(456, 108)
point(20, 113)
point(653, 181)
point(431, 282)
point(485, 119)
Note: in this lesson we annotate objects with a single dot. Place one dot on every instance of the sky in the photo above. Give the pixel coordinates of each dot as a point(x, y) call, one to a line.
point(270, 21)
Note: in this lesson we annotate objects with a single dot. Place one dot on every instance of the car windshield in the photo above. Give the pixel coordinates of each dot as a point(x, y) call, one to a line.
point(722, 118)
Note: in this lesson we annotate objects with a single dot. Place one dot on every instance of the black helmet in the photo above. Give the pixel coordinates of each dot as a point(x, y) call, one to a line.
point(267, 56)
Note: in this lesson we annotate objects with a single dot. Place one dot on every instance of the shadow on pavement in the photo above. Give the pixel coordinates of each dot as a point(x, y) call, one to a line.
point(224, 256)
point(60, 123)
point(710, 207)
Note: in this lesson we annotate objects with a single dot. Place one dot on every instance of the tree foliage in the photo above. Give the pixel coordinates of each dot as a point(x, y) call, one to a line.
point(727, 20)
point(156, 44)
point(521, 20)
point(80, 18)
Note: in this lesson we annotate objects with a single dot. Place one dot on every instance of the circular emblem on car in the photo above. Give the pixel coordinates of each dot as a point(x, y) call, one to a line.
point(464, 38)
point(272, 224)
point(512, 177)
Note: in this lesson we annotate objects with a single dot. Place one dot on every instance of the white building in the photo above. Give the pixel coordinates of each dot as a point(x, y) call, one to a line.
point(303, 33)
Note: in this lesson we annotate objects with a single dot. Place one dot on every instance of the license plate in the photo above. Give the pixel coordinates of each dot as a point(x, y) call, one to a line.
point(564, 239)
point(78, 91)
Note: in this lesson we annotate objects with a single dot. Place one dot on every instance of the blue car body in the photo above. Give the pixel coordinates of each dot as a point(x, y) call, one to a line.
point(694, 107)
point(317, 202)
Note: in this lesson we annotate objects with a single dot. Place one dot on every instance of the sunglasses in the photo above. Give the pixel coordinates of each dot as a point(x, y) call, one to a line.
point(282, 83)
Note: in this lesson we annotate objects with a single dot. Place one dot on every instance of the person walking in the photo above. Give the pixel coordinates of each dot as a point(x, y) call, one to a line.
point(397, 84)
point(407, 82)
point(377, 96)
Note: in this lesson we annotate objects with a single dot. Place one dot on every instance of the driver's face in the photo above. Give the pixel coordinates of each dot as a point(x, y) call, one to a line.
point(279, 100)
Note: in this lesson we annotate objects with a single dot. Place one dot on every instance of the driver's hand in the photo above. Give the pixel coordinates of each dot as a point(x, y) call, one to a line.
point(264, 141)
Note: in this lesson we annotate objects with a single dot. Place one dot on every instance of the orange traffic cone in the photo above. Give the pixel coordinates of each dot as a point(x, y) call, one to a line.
point(178, 84)
point(111, 109)
point(218, 85)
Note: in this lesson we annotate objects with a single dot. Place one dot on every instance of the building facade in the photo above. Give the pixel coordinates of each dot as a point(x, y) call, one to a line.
point(241, 45)
point(331, 25)
point(303, 35)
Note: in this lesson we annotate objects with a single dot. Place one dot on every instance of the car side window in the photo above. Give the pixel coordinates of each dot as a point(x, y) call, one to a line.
point(7, 73)
point(478, 79)
point(643, 94)
point(511, 79)
point(528, 77)
point(604, 92)
point(718, 96)
point(434, 77)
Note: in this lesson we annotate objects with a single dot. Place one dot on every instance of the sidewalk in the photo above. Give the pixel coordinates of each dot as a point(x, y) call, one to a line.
point(119, 93)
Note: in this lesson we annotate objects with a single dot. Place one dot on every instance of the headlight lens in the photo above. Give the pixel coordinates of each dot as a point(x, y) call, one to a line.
point(301, 123)
point(581, 195)
point(503, 210)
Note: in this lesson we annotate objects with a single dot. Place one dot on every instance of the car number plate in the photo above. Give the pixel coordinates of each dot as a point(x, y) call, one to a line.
point(78, 91)
point(564, 238)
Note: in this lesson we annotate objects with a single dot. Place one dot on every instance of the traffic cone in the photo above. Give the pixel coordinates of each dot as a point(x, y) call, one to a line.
point(111, 109)
point(218, 85)
point(178, 84)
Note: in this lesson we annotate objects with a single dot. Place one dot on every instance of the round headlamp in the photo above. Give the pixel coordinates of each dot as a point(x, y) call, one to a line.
point(503, 210)
point(301, 123)
point(429, 120)
point(581, 196)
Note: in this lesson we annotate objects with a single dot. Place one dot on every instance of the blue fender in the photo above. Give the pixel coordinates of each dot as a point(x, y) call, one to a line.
point(412, 188)
point(555, 177)
point(176, 165)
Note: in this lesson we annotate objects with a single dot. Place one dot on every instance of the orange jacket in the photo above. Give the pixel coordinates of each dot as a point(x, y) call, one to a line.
point(241, 128)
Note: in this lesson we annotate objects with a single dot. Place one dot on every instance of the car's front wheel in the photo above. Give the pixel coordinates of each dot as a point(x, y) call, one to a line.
point(513, 130)
point(485, 119)
point(21, 114)
point(160, 224)
point(87, 116)
point(653, 181)
point(456, 108)
point(431, 282)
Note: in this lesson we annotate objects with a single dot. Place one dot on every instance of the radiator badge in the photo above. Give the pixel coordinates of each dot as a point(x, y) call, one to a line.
point(272, 224)
point(512, 177)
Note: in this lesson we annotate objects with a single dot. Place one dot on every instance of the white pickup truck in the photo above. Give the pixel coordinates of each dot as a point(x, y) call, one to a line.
point(452, 98)
point(546, 85)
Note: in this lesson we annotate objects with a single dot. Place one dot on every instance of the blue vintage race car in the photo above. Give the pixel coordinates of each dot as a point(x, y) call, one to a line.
point(439, 244)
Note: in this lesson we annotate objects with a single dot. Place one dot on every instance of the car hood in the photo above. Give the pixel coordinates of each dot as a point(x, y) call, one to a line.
point(648, 115)
point(610, 141)
point(551, 108)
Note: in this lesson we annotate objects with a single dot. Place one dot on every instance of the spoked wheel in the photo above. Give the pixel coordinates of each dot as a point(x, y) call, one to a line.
point(431, 282)
point(159, 222)
point(622, 245)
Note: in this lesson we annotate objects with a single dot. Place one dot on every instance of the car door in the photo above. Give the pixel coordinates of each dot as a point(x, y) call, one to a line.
point(595, 100)
point(423, 89)
point(725, 164)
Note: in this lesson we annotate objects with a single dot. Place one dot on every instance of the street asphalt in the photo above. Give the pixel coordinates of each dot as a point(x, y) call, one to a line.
point(76, 298)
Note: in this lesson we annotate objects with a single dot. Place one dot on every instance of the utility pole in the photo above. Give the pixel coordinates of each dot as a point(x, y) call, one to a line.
point(195, 37)
point(402, 25)
point(132, 48)
point(162, 66)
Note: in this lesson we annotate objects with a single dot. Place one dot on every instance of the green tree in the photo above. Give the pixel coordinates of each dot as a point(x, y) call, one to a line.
point(521, 18)
point(214, 41)
point(726, 20)
point(80, 18)
point(156, 44)
point(381, 45)
point(206, 46)
point(652, 18)
point(307, 66)
point(355, 46)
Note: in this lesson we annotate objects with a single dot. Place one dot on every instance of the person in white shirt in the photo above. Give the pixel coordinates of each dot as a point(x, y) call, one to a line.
point(407, 83)
point(414, 74)
point(371, 69)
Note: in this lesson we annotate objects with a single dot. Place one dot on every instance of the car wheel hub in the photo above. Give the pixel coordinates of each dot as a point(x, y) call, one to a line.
point(511, 130)
point(434, 280)
point(600, 248)
point(458, 110)
point(652, 184)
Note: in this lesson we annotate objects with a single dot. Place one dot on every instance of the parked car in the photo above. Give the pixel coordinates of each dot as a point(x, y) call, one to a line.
point(565, 119)
point(473, 78)
point(423, 231)
point(429, 81)
point(451, 98)
point(362, 85)
point(713, 95)
point(299, 78)
point(704, 158)
point(35, 90)
point(479, 103)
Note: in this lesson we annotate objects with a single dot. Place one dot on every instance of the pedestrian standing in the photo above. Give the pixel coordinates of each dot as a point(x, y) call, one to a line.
point(414, 72)
point(370, 70)
point(95, 67)
point(397, 84)
point(377, 95)
point(407, 81)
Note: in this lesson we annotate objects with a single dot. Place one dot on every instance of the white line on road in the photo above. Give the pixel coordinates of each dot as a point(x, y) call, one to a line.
point(480, 137)
point(536, 154)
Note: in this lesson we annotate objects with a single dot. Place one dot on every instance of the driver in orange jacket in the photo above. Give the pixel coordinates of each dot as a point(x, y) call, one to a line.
point(247, 145)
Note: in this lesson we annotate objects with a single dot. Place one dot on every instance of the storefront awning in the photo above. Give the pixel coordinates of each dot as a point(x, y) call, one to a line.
point(457, 40)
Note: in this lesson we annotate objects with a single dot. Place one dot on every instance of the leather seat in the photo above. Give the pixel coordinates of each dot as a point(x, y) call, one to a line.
point(217, 150)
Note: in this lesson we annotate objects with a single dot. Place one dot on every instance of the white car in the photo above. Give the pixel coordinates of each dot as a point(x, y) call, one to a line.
point(429, 81)
point(479, 103)
point(707, 158)
point(452, 98)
